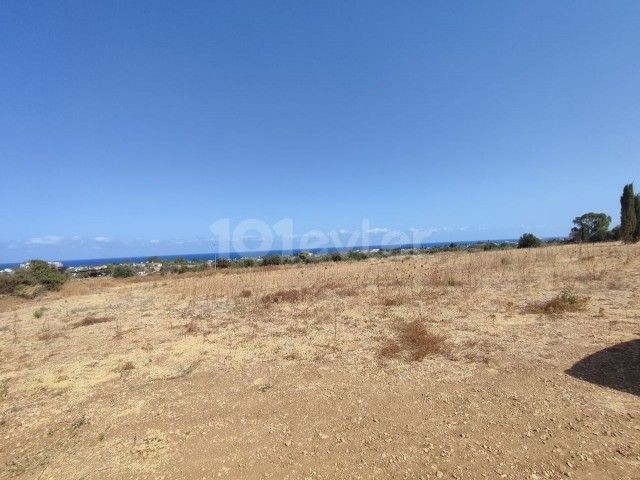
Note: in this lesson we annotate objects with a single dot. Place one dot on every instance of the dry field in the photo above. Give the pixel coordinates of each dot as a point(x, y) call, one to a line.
point(520, 364)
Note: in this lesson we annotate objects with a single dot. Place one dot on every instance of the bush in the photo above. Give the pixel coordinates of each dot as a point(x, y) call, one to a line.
point(356, 255)
point(222, 263)
point(40, 272)
point(272, 260)
point(247, 262)
point(8, 284)
point(529, 240)
point(37, 273)
point(122, 271)
point(335, 257)
point(566, 301)
point(304, 256)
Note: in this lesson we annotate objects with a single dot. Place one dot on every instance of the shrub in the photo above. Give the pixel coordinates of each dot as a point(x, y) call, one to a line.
point(304, 256)
point(529, 240)
point(8, 283)
point(31, 280)
point(44, 274)
point(335, 257)
point(272, 259)
point(566, 301)
point(248, 262)
point(356, 255)
point(222, 263)
point(122, 271)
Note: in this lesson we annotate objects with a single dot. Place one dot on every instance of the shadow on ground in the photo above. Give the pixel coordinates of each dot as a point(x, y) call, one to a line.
point(616, 367)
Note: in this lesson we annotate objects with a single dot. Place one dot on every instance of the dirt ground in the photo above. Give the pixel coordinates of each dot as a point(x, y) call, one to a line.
point(520, 364)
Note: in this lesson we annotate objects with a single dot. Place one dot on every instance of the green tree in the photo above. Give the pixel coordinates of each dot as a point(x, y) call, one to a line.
point(591, 227)
point(628, 219)
point(637, 209)
point(529, 240)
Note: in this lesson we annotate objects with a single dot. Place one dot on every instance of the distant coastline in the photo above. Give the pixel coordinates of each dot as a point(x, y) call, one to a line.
point(212, 256)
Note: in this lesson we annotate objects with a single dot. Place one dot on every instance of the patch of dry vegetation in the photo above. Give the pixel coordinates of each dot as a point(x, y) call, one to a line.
point(91, 320)
point(413, 342)
point(566, 301)
point(285, 296)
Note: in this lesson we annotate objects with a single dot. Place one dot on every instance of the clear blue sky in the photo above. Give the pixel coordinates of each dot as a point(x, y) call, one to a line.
point(129, 127)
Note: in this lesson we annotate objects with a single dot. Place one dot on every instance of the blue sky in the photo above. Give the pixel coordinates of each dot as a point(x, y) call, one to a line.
point(128, 128)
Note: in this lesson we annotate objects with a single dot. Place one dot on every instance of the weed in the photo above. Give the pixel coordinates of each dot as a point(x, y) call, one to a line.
point(566, 301)
point(39, 312)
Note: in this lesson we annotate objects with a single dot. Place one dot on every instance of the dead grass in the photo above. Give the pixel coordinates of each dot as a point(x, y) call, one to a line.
point(393, 301)
point(90, 320)
point(566, 301)
point(192, 327)
point(285, 296)
point(413, 342)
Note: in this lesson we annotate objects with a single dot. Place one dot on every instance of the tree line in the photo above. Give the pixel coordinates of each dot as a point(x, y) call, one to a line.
point(594, 227)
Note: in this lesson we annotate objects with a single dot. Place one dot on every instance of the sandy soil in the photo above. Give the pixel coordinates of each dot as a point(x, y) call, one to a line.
point(305, 372)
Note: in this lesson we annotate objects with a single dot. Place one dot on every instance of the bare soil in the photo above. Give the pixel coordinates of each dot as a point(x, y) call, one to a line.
point(521, 364)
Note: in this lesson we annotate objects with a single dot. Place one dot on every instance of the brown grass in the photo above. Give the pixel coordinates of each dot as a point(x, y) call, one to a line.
point(566, 301)
point(285, 296)
point(413, 342)
point(90, 320)
point(393, 301)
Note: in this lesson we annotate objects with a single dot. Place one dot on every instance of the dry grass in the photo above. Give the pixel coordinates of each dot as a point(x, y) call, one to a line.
point(393, 301)
point(466, 316)
point(91, 320)
point(285, 296)
point(413, 342)
point(566, 301)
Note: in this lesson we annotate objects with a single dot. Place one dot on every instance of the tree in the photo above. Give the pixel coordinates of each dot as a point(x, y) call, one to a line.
point(636, 235)
point(529, 240)
point(591, 227)
point(628, 219)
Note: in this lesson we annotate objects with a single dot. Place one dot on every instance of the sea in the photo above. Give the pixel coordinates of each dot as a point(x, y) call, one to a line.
point(88, 262)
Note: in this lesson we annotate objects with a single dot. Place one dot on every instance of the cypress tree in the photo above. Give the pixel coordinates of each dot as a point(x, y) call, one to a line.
point(628, 220)
point(636, 236)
